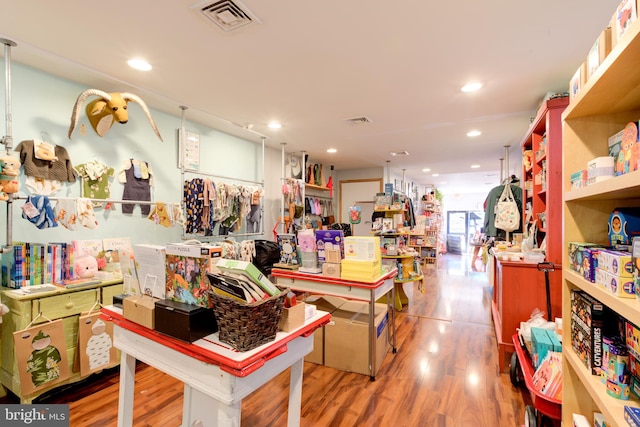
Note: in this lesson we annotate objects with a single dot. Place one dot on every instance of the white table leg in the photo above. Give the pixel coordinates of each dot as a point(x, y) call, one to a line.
point(201, 410)
point(127, 384)
point(295, 393)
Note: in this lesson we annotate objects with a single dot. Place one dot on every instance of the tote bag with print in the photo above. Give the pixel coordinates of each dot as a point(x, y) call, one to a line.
point(507, 213)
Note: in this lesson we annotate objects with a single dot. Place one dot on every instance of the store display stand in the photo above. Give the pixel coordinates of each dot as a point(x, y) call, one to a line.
point(362, 291)
point(216, 378)
point(603, 106)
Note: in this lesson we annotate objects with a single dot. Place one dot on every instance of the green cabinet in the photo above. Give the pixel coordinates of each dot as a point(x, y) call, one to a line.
point(65, 304)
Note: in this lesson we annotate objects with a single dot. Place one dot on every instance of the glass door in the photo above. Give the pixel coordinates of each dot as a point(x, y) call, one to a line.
point(457, 230)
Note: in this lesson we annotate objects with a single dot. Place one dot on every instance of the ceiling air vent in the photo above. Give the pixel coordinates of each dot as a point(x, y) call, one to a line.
point(399, 153)
point(229, 15)
point(359, 120)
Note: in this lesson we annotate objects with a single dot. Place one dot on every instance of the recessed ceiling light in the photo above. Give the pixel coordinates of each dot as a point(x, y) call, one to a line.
point(471, 87)
point(274, 125)
point(436, 174)
point(332, 150)
point(473, 133)
point(475, 166)
point(426, 170)
point(139, 64)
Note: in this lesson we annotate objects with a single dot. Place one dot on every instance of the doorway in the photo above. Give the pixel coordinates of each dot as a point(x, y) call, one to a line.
point(457, 230)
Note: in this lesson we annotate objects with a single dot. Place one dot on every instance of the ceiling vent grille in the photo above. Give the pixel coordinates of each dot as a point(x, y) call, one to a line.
point(399, 153)
point(359, 120)
point(228, 15)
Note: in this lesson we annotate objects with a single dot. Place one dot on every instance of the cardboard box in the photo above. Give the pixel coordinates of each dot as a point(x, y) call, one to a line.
point(600, 169)
point(590, 263)
point(599, 51)
point(624, 224)
point(632, 416)
point(329, 239)
point(578, 179)
point(324, 303)
point(346, 345)
point(625, 15)
point(587, 325)
point(576, 255)
point(331, 269)
point(186, 272)
point(292, 317)
point(139, 309)
point(541, 345)
point(618, 263)
point(361, 248)
point(185, 322)
point(578, 80)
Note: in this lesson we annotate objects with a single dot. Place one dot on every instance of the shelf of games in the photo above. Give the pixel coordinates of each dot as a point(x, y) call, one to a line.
point(607, 103)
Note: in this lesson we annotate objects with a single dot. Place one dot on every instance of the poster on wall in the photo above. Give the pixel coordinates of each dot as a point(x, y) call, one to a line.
point(95, 339)
point(41, 355)
point(190, 154)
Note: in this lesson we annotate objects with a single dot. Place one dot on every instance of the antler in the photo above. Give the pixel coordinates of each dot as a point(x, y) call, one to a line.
point(135, 98)
point(78, 106)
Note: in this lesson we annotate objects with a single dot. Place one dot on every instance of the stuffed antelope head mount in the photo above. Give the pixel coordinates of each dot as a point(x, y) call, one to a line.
point(109, 108)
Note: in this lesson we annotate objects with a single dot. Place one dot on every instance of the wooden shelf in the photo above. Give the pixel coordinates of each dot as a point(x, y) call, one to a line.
point(411, 279)
point(399, 256)
point(316, 187)
point(545, 133)
point(626, 307)
point(619, 187)
point(603, 106)
point(614, 85)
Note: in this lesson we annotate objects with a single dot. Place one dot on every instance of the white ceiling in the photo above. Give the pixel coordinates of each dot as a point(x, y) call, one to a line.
point(311, 65)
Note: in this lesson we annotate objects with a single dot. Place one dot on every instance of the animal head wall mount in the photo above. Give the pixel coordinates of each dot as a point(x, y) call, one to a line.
point(109, 108)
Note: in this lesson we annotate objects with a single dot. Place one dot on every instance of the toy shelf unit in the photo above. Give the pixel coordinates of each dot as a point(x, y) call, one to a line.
point(605, 104)
point(426, 245)
point(542, 174)
point(408, 268)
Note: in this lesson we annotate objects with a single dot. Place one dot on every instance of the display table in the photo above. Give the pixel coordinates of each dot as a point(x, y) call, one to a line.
point(406, 262)
point(216, 377)
point(362, 291)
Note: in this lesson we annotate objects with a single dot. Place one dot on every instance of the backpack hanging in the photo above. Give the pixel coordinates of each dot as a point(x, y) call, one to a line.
point(507, 213)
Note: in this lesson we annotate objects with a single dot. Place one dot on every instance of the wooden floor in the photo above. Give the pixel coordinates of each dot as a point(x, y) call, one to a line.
point(445, 373)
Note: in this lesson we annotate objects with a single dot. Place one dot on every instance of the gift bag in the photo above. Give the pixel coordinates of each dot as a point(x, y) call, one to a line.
point(507, 213)
point(95, 344)
point(41, 355)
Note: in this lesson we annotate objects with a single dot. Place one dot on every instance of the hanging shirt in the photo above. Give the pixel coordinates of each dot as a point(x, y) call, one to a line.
point(95, 180)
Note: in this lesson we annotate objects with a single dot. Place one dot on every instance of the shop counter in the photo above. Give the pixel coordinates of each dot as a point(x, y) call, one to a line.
point(216, 377)
point(362, 291)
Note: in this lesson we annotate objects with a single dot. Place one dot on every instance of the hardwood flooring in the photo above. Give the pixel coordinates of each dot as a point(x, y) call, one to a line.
point(445, 373)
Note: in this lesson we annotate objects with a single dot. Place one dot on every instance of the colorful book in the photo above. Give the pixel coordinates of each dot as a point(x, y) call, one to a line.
point(223, 286)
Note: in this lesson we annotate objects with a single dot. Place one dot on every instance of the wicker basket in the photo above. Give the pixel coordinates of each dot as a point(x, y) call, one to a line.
point(247, 326)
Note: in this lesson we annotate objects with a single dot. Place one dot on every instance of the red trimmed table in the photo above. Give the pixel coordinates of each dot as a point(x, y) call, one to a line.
point(216, 377)
point(351, 289)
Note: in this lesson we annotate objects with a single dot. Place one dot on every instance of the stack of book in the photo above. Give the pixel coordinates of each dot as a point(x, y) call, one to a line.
point(241, 281)
point(28, 264)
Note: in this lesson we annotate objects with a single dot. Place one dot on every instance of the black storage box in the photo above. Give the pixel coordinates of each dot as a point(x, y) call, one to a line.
point(117, 300)
point(185, 322)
